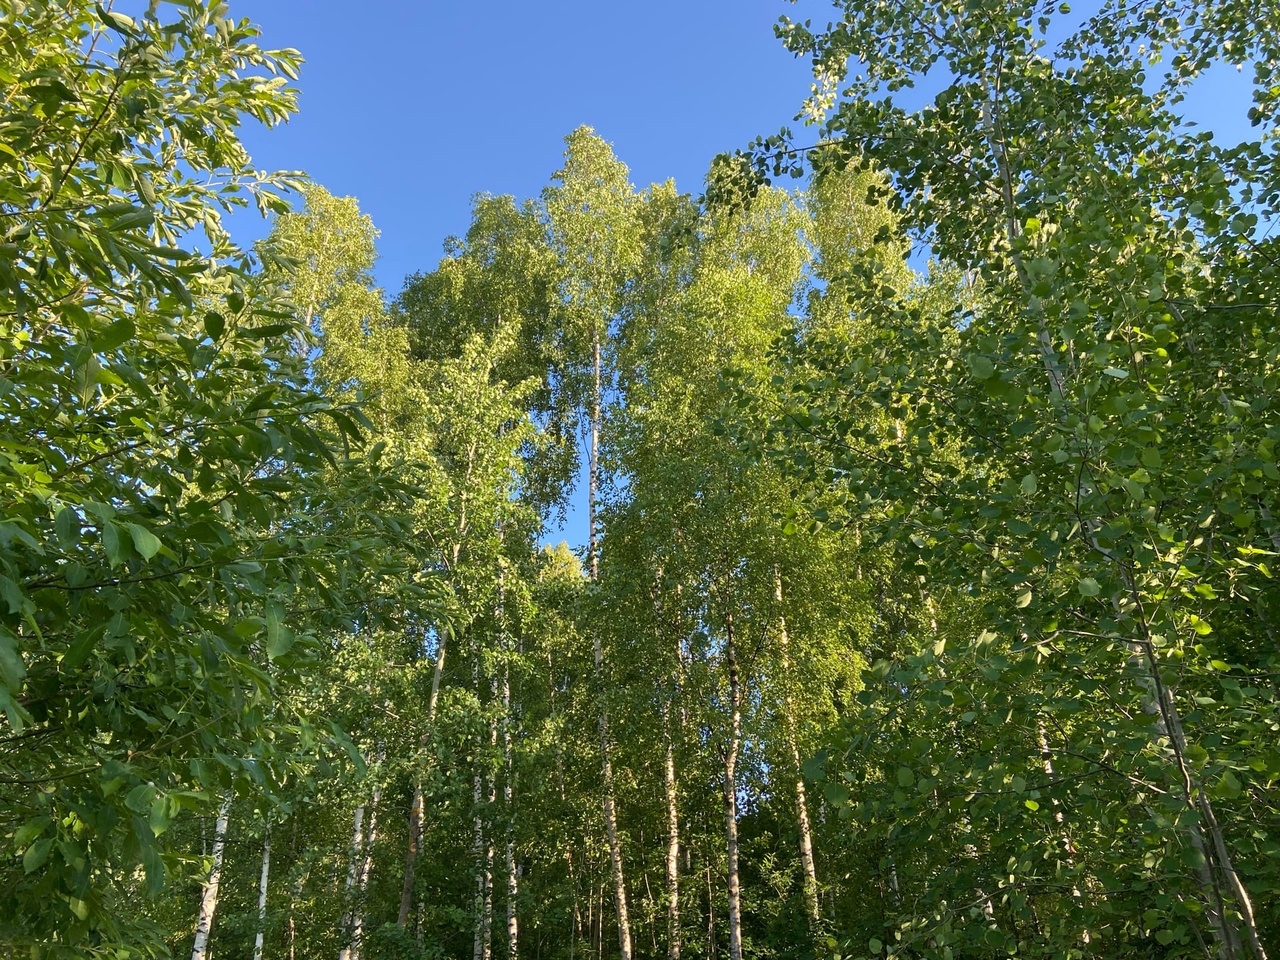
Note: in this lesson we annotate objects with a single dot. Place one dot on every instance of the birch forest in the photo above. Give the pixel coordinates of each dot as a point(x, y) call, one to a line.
point(928, 459)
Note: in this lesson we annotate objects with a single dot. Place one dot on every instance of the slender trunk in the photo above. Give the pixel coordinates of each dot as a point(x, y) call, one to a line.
point(477, 859)
point(575, 907)
point(508, 799)
point(479, 935)
point(611, 820)
point(209, 895)
point(349, 887)
point(1215, 871)
point(731, 794)
point(415, 809)
point(262, 896)
point(669, 783)
point(673, 840)
point(806, 840)
point(812, 903)
point(489, 852)
point(600, 924)
point(711, 917)
point(362, 879)
point(295, 890)
point(606, 764)
point(652, 910)
point(593, 461)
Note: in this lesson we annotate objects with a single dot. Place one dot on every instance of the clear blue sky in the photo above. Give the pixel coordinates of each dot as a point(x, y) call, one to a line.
point(414, 108)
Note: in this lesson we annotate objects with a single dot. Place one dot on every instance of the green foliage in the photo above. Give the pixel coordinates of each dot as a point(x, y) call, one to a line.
point(1077, 439)
point(180, 533)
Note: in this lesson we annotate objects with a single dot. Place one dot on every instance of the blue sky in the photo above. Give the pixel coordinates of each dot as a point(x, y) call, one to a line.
point(414, 108)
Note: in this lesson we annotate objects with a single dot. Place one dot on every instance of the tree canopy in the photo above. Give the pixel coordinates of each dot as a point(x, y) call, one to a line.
point(927, 607)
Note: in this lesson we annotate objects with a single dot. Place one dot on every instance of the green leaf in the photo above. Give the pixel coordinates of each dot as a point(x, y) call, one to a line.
point(64, 527)
point(1117, 372)
point(159, 818)
point(1031, 805)
point(144, 541)
point(119, 332)
point(280, 638)
point(1089, 587)
point(981, 367)
point(214, 324)
point(906, 777)
point(115, 548)
point(153, 869)
point(12, 667)
point(139, 798)
point(80, 648)
point(1028, 484)
point(37, 854)
point(13, 595)
point(30, 830)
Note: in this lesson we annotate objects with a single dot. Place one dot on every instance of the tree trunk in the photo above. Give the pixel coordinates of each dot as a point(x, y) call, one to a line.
point(482, 903)
point(711, 917)
point(606, 765)
point(508, 800)
point(673, 839)
point(1216, 872)
point(489, 851)
point(262, 896)
point(349, 887)
point(477, 858)
point(415, 809)
point(362, 879)
point(731, 793)
point(295, 889)
point(812, 904)
point(209, 895)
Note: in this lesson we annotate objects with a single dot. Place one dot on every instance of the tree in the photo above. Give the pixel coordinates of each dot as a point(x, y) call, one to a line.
point(1112, 335)
point(173, 487)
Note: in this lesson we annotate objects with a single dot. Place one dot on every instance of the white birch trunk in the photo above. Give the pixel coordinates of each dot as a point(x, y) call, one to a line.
point(1216, 871)
point(209, 894)
point(262, 896)
point(362, 879)
point(349, 887)
point(479, 934)
point(812, 903)
point(606, 764)
point(731, 795)
point(508, 800)
point(416, 807)
point(489, 851)
point(673, 840)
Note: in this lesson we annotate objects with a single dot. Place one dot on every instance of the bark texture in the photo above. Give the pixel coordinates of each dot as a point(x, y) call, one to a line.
point(209, 893)
point(262, 897)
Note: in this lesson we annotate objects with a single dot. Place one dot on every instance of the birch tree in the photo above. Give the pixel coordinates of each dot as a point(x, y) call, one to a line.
point(1111, 247)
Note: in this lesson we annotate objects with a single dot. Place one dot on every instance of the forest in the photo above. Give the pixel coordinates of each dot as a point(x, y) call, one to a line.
point(929, 462)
